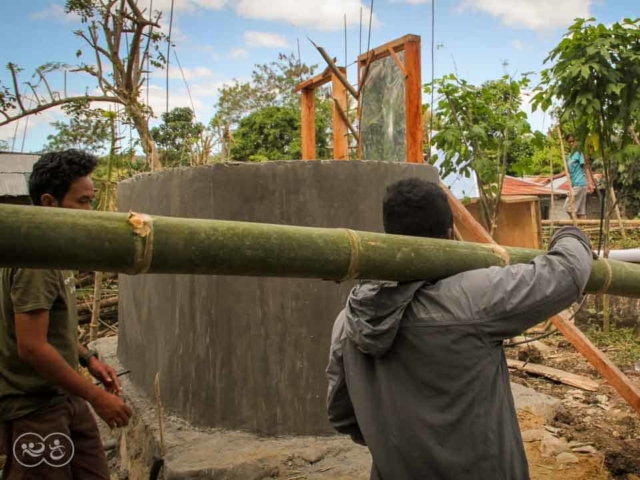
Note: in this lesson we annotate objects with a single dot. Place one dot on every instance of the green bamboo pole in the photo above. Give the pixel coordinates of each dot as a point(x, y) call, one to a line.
point(38, 237)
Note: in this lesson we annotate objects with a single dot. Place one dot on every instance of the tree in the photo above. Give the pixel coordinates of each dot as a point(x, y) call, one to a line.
point(273, 133)
point(595, 80)
point(177, 136)
point(122, 42)
point(535, 154)
point(87, 131)
point(4, 146)
point(477, 128)
point(271, 85)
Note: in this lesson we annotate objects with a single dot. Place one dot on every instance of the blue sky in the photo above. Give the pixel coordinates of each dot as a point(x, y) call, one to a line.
point(219, 40)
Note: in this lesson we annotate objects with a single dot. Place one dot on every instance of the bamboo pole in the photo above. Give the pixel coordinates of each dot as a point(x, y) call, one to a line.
point(590, 222)
point(614, 199)
point(45, 237)
point(552, 205)
point(94, 326)
point(572, 202)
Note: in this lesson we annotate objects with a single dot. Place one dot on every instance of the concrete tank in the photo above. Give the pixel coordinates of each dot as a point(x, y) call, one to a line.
point(246, 353)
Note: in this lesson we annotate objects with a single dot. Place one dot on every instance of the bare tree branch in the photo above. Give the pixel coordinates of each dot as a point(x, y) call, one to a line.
point(57, 103)
point(46, 83)
point(16, 88)
point(35, 94)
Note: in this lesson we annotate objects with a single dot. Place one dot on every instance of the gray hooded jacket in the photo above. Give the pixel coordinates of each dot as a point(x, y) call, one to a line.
point(418, 374)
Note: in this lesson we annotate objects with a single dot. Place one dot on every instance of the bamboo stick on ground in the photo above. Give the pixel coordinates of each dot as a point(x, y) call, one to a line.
point(104, 302)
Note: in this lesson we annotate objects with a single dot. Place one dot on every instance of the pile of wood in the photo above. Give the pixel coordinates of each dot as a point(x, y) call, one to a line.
point(108, 318)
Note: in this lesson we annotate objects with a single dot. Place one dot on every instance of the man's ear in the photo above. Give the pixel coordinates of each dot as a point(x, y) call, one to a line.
point(48, 200)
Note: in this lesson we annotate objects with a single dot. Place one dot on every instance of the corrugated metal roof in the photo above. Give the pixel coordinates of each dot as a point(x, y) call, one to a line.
point(519, 186)
point(17, 162)
point(13, 185)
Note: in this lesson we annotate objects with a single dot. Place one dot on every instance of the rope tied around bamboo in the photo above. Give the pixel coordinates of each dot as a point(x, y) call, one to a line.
point(354, 256)
point(143, 229)
point(608, 277)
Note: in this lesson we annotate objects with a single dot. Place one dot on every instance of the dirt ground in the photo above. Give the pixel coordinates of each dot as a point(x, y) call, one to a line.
point(601, 419)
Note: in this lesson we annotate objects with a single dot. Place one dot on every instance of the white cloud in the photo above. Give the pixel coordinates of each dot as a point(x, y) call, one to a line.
point(517, 45)
point(411, 2)
point(317, 14)
point(189, 73)
point(55, 12)
point(532, 14)
point(188, 5)
point(265, 40)
point(238, 53)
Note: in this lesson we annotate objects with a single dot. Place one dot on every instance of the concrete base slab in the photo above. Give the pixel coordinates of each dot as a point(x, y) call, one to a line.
point(196, 453)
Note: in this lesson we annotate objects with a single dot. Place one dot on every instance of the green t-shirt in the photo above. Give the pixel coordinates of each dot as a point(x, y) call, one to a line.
point(22, 389)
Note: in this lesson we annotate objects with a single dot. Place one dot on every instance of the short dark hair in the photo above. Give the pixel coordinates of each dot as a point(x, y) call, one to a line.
point(416, 207)
point(568, 136)
point(54, 173)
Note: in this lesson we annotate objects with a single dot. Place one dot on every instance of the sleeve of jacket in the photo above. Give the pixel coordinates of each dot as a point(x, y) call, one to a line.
point(507, 301)
point(339, 407)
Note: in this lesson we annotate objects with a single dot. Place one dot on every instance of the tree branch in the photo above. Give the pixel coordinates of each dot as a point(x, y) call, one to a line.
point(16, 89)
point(335, 70)
point(35, 94)
point(46, 83)
point(57, 103)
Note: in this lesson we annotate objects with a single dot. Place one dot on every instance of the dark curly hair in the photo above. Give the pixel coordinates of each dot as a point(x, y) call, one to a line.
point(54, 173)
point(418, 208)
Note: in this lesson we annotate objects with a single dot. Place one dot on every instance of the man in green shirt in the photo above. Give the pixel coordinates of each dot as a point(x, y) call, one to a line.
point(46, 428)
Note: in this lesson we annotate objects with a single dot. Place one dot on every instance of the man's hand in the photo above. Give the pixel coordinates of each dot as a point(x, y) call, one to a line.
point(111, 409)
point(104, 373)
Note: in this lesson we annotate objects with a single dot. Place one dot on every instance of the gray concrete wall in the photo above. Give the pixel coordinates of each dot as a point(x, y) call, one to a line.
point(237, 352)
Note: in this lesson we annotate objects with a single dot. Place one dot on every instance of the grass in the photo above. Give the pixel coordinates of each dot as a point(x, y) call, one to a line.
point(622, 344)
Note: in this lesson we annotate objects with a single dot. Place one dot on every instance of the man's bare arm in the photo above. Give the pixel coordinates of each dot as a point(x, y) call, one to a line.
point(34, 349)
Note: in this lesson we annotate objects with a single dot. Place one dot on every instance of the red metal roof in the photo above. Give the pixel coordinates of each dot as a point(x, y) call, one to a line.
point(560, 181)
point(520, 186)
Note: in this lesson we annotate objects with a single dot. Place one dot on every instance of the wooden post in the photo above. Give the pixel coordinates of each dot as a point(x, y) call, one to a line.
point(572, 202)
point(599, 360)
point(462, 216)
point(413, 101)
point(308, 123)
point(617, 210)
point(340, 128)
point(94, 325)
point(552, 200)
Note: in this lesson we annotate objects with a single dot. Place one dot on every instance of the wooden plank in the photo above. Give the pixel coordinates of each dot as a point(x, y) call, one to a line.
point(462, 217)
point(382, 51)
point(308, 123)
point(413, 101)
point(399, 63)
point(612, 374)
point(314, 82)
point(340, 128)
point(561, 376)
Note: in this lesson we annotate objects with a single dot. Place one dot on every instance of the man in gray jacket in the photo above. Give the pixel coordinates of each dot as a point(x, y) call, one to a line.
point(417, 371)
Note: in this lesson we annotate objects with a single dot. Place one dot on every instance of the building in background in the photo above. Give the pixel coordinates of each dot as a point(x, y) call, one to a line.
point(15, 169)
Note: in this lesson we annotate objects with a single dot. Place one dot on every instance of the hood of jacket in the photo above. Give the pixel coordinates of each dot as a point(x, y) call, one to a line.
point(374, 312)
